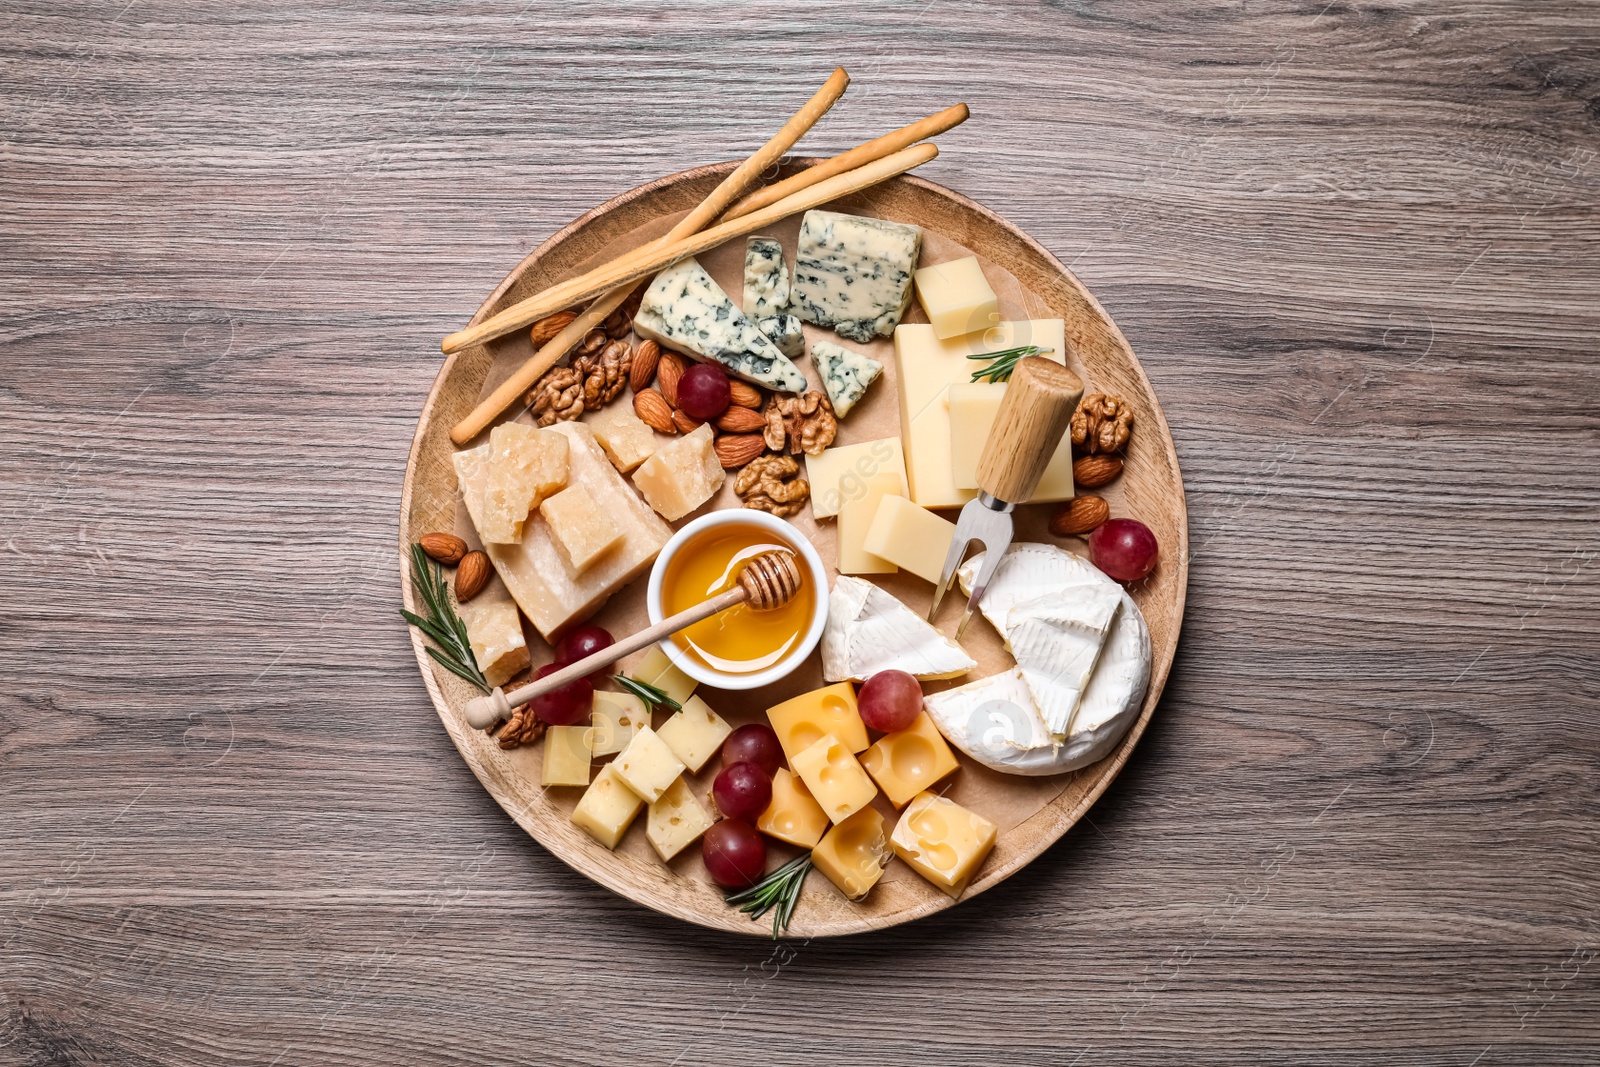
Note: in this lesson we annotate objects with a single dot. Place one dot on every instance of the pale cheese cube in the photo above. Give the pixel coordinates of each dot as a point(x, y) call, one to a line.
point(582, 532)
point(566, 756)
point(841, 474)
point(957, 297)
point(942, 841)
point(657, 669)
point(682, 476)
point(613, 720)
point(608, 807)
point(625, 437)
point(526, 464)
point(973, 407)
point(845, 374)
point(835, 778)
point(695, 733)
point(494, 629)
point(853, 273)
point(676, 820)
point(855, 519)
point(912, 538)
point(647, 765)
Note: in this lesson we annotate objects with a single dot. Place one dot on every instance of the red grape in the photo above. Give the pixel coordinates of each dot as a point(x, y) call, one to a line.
point(1124, 548)
point(735, 855)
point(703, 391)
point(753, 743)
point(582, 643)
point(890, 700)
point(743, 791)
point(567, 705)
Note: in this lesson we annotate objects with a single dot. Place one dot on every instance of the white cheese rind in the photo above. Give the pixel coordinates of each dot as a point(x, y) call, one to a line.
point(766, 278)
point(684, 309)
point(1056, 640)
point(868, 631)
point(854, 273)
point(845, 374)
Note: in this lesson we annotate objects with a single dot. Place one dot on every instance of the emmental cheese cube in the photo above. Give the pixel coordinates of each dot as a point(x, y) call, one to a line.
point(682, 476)
point(525, 466)
point(566, 756)
point(957, 297)
point(853, 854)
point(494, 629)
point(608, 807)
point(855, 519)
point(942, 841)
point(647, 766)
point(582, 532)
point(906, 762)
point(626, 439)
point(841, 474)
point(676, 820)
point(832, 775)
point(910, 537)
point(658, 670)
point(794, 814)
point(695, 733)
point(973, 407)
point(613, 720)
point(802, 721)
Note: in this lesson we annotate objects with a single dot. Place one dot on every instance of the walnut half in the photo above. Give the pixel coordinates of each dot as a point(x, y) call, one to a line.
point(1102, 423)
point(773, 484)
point(803, 423)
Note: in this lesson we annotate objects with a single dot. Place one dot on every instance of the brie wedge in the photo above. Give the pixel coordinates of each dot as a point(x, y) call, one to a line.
point(1056, 640)
point(868, 630)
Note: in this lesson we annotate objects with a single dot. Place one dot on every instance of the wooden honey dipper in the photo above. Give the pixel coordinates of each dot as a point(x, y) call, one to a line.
point(767, 581)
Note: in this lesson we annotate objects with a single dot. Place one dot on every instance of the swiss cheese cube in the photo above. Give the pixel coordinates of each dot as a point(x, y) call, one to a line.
point(834, 778)
point(682, 476)
point(853, 854)
point(973, 407)
point(581, 530)
point(801, 721)
point(910, 537)
point(942, 841)
point(957, 297)
point(841, 474)
point(793, 814)
point(695, 733)
point(676, 820)
point(494, 629)
point(613, 720)
point(526, 465)
point(626, 439)
point(608, 807)
point(906, 762)
point(657, 669)
point(647, 765)
point(855, 519)
point(566, 756)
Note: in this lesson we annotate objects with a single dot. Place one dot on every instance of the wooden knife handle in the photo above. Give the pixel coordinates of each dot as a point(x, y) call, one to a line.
point(1033, 416)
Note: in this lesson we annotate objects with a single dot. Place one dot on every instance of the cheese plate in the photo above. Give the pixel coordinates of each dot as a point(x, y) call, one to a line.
point(1024, 810)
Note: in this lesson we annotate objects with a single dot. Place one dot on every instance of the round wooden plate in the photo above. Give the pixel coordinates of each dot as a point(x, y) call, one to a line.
point(1032, 813)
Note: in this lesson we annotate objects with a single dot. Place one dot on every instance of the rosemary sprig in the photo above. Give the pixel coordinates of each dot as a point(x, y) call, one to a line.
point(778, 892)
point(1005, 361)
point(646, 692)
point(442, 625)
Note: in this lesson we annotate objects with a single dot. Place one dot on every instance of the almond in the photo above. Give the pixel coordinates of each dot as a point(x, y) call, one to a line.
point(654, 411)
point(447, 548)
point(1079, 516)
point(472, 574)
point(645, 358)
point(546, 328)
point(1091, 472)
point(745, 395)
point(741, 420)
point(669, 372)
point(684, 423)
point(737, 449)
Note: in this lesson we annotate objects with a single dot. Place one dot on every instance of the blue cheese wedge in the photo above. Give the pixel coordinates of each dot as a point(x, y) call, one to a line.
point(845, 374)
point(685, 310)
point(854, 273)
point(766, 278)
point(784, 331)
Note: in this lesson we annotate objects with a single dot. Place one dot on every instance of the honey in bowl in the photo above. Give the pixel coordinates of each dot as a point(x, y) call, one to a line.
point(740, 640)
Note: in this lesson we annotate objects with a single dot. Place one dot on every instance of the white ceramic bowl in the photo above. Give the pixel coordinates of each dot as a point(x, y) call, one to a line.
point(781, 531)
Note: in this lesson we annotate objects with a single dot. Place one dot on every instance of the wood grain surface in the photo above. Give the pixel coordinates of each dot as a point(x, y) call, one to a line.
point(1354, 246)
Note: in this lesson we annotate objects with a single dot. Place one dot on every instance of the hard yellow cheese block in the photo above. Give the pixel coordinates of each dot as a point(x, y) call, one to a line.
point(608, 807)
point(973, 407)
point(853, 854)
point(494, 629)
point(910, 537)
point(927, 367)
point(855, 518)
point(841, 474)
point(658, 670)
point(682, 476)
point(627, 441)
point(525, 466)
point(957, 297)
point(647, 766)
point(942, 841)
point(908, 761)
point(794, 814)
point(548, 591)
point(803, 720)
point(834, 778)
point(695, 733)
point(613, 720)
point(676, 820)
point(566, 756)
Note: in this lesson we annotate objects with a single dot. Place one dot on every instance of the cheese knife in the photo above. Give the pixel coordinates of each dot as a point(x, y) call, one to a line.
point(1032, 417)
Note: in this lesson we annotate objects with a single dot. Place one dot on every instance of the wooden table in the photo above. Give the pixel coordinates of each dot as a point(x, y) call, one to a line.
point(1355, 246)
